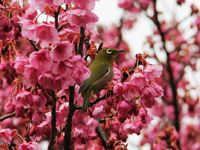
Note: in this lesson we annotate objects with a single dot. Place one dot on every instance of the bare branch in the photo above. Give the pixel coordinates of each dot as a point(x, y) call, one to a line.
point(53, 121)
point(101, 135)
point(68, 125)
point(81, 41)
point(172, 83)
point(11, 115)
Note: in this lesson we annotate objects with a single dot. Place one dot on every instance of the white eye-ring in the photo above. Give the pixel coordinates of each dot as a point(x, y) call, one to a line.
point(109, 51)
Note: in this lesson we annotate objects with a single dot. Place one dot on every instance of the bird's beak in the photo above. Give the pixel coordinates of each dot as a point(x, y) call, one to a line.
point(120, 51)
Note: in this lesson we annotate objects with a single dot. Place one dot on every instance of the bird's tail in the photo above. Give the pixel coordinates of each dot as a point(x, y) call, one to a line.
point(86, 98)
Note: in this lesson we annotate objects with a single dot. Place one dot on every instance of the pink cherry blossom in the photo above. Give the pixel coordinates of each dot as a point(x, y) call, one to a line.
point(43, 129)
point(129, 127)
point(62, 113)
point(62, 68)
point(86, 4)
point(9, 107)
point(130, 91)
point(81, 72)
point(148, 102)
point(149, 92)
point(30, 13)
point(37, 4)
point(169, 110)
point(118, 89)
point(81, 17)
point(126, 4)
point(98, 112)
point(19, 111)
point(29, 146)
point(6, 135)
point(152, 71)
point(37, 117)
point(38, 101)
point(4, 21)
point(46, 34)
point(20, 63)
point(41, 60)
point(62, 82)
point(28, 28)
point(157, 88)
point(176, 68)
point(116, 126)
point(30, 76)
point(138, 79)
point(123, 108)
point(61, 51)
point(91, 125)
point(24, 98)
point(46, 80)
point(116, 74)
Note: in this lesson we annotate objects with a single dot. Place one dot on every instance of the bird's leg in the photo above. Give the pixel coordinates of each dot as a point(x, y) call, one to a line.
point(89, 104)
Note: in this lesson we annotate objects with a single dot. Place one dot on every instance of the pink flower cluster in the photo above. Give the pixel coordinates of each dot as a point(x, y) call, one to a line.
point(141, 86)
point(55, 69)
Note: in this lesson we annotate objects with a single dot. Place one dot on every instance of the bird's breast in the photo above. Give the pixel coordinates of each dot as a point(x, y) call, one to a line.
point(101, 83)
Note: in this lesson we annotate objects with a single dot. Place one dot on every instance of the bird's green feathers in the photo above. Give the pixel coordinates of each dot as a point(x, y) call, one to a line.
point(96, 73)
point(101, 72)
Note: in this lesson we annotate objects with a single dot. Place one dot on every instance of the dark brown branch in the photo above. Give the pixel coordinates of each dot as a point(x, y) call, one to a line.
point(100, 99)
point(172, 83)
point(34, 45)
point(100, 47)
point(101, 135)
point(81, 41)
point(53, 121)
point(87, 44)
point(7, 116)
point(31, 41)
point(119, 34)
point(68, 125)
point(56, 14)
point(11, 115)
point(104, 119)
point(3, 51)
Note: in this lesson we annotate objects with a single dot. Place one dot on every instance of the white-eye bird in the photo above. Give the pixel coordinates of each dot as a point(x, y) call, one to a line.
point(101, 72)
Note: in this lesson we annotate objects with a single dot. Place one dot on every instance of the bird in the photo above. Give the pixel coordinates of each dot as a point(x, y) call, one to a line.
point(101, 73)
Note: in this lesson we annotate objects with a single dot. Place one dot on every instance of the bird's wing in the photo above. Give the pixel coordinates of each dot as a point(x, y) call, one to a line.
point(97, 70)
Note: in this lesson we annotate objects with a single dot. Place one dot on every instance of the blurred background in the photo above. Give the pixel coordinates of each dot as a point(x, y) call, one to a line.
point(110, 14)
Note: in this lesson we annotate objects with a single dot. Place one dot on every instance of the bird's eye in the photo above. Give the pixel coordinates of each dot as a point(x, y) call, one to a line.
point(109, 51)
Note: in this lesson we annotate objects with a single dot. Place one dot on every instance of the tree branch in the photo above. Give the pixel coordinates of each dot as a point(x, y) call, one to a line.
point(172, 83)
point(101, 134)
point(31, 41)
point(34, 45)
point(11, 115)
point(56, 14)
point(53, 121)
point(81, 41)
point(68, 125)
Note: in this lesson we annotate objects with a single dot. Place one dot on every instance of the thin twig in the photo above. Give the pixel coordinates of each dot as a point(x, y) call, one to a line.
point(11, 115)
point(34, 45)
point(31, 41)
point(101, 135)
point(7, 116)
